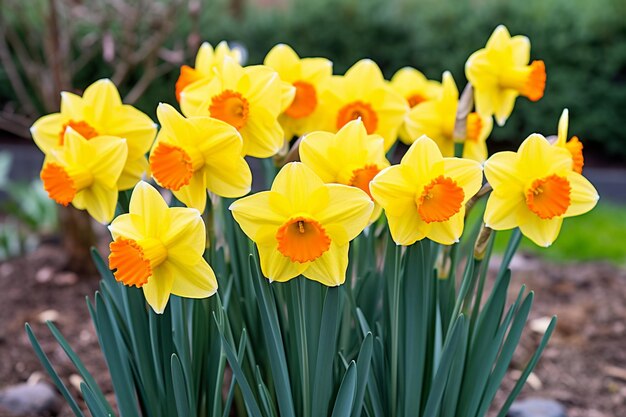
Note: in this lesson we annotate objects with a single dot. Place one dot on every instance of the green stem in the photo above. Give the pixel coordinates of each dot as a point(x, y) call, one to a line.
point(395, 326)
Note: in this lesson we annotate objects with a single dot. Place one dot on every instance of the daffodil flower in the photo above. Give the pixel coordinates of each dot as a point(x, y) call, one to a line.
point(501, 71)
point(85, 173)
point(477, 130)
point(350, 157)
point(425, 196)
point(100, 112)
point(249, 99)
point(574, 145)
point(159, 249)
point(534, 189)
point(415, 88)
point(436, 118)
point(191, 156)
point(303, 226)
point(363, 93)
point(207, 60)
point(308, 76)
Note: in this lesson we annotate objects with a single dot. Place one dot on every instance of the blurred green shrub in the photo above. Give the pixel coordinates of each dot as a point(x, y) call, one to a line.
point(583, 44)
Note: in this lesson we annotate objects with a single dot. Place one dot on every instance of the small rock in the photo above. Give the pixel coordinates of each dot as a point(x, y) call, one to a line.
point(48, 315)
point(44, 275)
point(66, 278)
point(39, 399)
point(537, 407)
point(540, 325)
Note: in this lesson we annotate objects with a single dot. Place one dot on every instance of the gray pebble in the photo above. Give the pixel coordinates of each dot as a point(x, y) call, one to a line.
point(39, 399)
point(537, 407)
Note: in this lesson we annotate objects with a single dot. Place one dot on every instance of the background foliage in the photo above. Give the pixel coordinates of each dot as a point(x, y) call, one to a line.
point(583, 44)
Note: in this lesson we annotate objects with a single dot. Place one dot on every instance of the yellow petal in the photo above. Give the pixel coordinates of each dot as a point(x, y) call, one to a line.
point(195, 99)
point(74, 107)
point(185, 238)
point(466, 173)
point(124, 226)
point(520, 46)
point(285, 61)
point(102, 96)
point(408, 228)
point(502, 170)
point(583, 196)
point(196, 281)
point(422, 159)
point(537, 158)
point(46, 131)
point(499, 39)
point(315, 150)
point(136, 127)
point(99, 201)
point(393, 189)
point(262, 136)
point(194, 193)
point(349, 208)
point(476, 151)
point(256, 212)
point(542, 232)
point(265, 89)
point(277, 267)
point(449, 231)
point(503, 103)
point(171, 121)
point(132, 173)
point(364, 73)
point(297, 182)
point(563, 124)
point(330, 268)
point(108, 161)
point(150, 207)
point(158, 288)
point(502, 209)
point(204, 59)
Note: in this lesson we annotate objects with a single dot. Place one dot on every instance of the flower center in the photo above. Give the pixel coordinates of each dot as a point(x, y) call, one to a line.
point(134, 261)
point(362, 177)
point(230, 107)
point(549, 197)
point(62, 184)
point(187, 76)
point(474, 127)
point(530, 80)
point(415, 99)
point(440, 200)
point(172, 166)
point(305, 101)
point(82, 127)
point(575, 147)
point(302, 239)
point(353, 111)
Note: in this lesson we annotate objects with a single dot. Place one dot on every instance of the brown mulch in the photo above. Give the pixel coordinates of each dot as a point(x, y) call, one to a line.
point(583, 367)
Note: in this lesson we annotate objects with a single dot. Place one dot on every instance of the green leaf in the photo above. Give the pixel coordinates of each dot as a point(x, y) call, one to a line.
point(363, 364)
point(96, 408)
point(346, 393)
point(181, 397)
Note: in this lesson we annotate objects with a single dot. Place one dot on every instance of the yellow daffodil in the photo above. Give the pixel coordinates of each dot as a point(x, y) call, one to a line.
point(534, 189)
point(249, 99)
point(350, 157)
point(425, 196)
point(100, 112)
point(415, 88)
point(436, 118)
point(207, 60)
point(303, 226)
point(159, 249)
point(477, 130)
point(85, 172)
point(197, 154)
point(308, 76)
point(574, 145)
point(501, 71)
point(364, 93)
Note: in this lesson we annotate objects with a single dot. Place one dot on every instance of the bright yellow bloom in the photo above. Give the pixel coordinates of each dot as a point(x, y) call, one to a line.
point(207, 60)
point(477, 130)
point(308, 76)
point(436, 118)
point(159, 249)
point(303, 226)
point(364, 93)
point(350, 157)
point(85, 172)
point(425, 196)
point(415, 88)
point(197, 154)
point(249, 99)
point(100, 112)
point(535, 189)
point(500, 72)
point(574, 145)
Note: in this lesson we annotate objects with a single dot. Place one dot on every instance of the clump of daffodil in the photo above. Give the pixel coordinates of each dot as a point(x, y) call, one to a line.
point(303, 226)
point(207, 60)
point(350, 157)
point(574, 145)
point(159, 249)
point(249, 99)
point(363, 93)
point(436, 118)
point(425, 196)
point(501, 71)
point(534, 189)
point(308, 76)
point(197, 154)
point(100, 112)
point(85, 173)
point(415, 88)
point(477, 130)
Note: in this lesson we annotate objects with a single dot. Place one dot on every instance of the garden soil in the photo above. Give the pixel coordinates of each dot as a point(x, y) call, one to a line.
point(583, 367)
